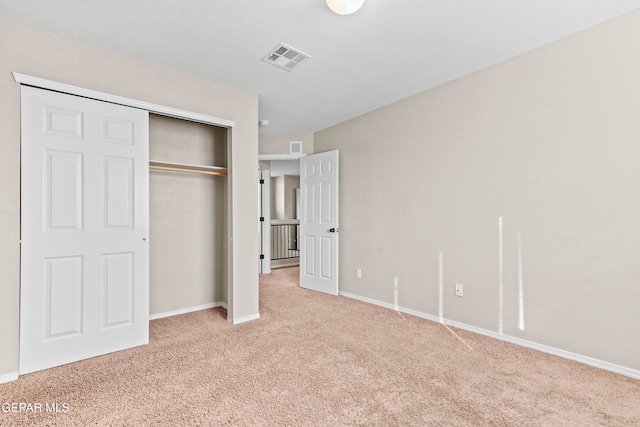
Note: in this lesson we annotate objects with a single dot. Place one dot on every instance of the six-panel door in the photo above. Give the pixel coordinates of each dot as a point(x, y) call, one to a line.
point(319, 222)
point(85, 223)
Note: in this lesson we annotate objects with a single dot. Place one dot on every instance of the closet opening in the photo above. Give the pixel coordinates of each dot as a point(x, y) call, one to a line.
point(188, 216)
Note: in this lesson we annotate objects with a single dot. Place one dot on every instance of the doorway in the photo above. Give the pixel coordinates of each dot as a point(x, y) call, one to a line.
point(279, 195)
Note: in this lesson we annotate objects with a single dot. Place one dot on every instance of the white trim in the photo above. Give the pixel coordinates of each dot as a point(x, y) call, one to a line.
point(188, 310)
point(265, 212)
point(115, 99)
point(249, 318)
point(633, 373)
point(294, 263)
point(280, 156)
point(7, 378)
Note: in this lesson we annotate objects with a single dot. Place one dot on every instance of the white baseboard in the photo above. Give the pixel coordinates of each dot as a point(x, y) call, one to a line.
point(188, 310)
point(633, 373)
point(7, 378)
point(203, 307)
point(286, 264)
point(246, 318)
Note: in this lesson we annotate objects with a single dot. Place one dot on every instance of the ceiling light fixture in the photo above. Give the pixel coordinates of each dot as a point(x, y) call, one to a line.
point(345, 7)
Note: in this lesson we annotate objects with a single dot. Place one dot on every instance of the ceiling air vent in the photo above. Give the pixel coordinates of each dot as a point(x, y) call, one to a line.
point(285, 57)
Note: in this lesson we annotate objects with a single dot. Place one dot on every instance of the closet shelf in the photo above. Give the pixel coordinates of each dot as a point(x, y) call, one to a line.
point(186, 168)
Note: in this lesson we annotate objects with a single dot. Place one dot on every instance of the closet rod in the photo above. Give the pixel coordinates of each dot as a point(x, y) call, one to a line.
point(184, 168)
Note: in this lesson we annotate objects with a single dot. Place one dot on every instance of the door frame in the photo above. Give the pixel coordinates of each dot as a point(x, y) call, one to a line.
point(163, 110)
point(265, 217)
point(128, 102)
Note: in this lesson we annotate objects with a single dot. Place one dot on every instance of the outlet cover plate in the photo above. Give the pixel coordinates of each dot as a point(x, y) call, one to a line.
point(459, 290)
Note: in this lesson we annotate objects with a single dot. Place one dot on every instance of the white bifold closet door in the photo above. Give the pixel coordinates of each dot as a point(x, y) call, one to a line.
point(85, 225)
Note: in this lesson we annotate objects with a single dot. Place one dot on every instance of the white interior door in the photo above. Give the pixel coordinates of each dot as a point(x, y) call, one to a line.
point(319, 222)
point(85, 224)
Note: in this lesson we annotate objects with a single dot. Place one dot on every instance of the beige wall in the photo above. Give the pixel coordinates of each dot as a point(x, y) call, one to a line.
point(279, 144)
point(43, 54)
point(277, 197)
point(550, 142)
point(283, 196)
point(290, 185)
point(188, 217)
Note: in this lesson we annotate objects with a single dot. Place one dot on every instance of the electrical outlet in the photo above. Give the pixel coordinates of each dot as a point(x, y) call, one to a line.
point(459, 291)
point(359, 273)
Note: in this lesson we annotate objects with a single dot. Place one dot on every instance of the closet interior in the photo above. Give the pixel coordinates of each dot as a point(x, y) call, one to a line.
point(188, 215)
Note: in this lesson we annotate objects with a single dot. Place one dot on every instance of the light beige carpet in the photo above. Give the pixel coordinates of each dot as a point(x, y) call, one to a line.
point(319, 360)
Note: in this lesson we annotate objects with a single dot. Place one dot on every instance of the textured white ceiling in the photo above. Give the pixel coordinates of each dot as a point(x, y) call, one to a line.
point(388, 50)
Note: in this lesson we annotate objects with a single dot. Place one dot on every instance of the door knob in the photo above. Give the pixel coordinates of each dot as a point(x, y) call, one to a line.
point(333, 230)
